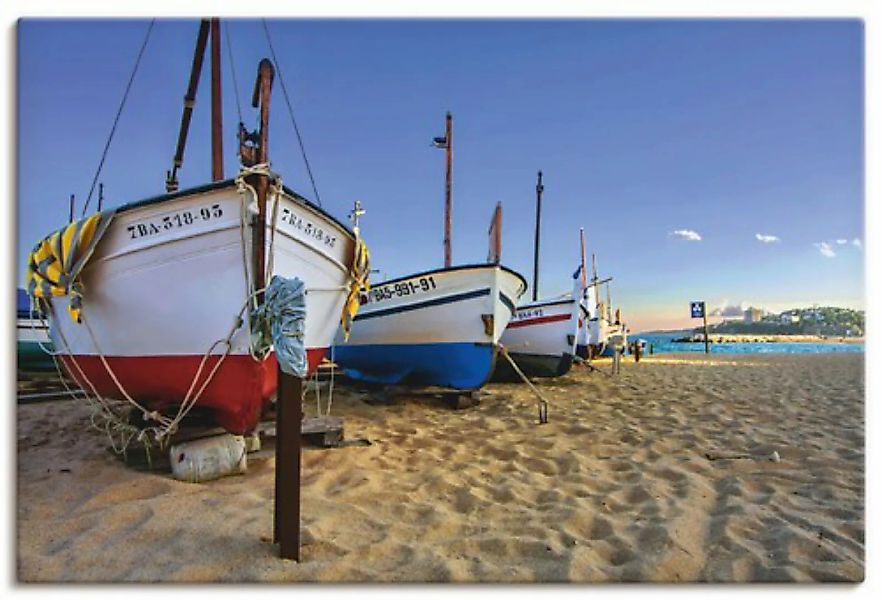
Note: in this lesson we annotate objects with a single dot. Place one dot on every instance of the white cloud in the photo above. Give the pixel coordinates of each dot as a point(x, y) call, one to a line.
point(841, 242)
point(825, 249)
point(767, 239)
point(729, 310)
point(686, 234)
point(856, 242)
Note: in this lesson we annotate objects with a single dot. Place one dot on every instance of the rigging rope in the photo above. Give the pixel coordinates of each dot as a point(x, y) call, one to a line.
point(118, 114)
point(233, 70)
point(291, 112)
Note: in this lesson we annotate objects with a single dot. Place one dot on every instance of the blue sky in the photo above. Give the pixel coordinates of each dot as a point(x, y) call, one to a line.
point(642, 128)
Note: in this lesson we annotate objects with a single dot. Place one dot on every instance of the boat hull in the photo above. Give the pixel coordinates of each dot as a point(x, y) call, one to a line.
point(455, 365)
point(31, 337)
point(435, 328)
point(158, 298)
point(541, 339)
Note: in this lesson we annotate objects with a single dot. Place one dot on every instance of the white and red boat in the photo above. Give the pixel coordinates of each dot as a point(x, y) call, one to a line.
point(175, 277)
point(541, 338)
point(168, 280)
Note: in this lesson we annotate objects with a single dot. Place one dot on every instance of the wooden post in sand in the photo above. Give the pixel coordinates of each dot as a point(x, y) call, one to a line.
point(706, 343)
point(289, 416)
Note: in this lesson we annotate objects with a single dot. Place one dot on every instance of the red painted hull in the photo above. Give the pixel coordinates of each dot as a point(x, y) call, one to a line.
point(237, 393)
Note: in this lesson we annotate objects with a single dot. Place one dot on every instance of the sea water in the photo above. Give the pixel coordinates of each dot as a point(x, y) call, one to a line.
point(661, 344)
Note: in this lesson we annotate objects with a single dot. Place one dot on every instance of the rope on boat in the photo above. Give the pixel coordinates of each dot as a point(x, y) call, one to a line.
point(291, 112)
point(118, 114)
point(118, 429)
point(233, 69)
point(543, 404)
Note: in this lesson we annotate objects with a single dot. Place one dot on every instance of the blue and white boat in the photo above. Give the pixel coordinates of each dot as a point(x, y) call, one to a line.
point(436, 328)
point(32, 337)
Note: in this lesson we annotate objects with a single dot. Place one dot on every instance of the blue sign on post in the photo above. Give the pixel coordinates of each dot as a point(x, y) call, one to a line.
point(697, 309)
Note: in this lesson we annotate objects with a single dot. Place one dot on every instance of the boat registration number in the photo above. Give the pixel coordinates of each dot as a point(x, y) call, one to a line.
point(175, 220)
point(307, 228)
point(528, 314)
point(399, 289)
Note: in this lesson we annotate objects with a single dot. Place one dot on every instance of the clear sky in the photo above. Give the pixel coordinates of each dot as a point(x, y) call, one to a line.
point(650, 134)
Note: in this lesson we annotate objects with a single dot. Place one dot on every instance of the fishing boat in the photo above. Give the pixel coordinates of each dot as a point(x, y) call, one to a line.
point(599, 327)
point(33, 346)
point(439, 327)
point(541, 336)
point(159, 298)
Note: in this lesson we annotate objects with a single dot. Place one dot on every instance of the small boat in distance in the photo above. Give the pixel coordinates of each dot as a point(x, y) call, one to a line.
point(598, 326)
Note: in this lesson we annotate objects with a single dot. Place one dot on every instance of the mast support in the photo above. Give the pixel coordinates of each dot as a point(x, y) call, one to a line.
point(171, 180)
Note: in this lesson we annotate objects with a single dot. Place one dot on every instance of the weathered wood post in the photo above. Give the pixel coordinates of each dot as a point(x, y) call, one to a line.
point(706, 343)
point(289, 417)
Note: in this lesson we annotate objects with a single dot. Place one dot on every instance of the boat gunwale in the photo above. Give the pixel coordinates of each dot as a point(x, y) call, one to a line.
point(450, 269)
point(544, 303)
point(231, 183)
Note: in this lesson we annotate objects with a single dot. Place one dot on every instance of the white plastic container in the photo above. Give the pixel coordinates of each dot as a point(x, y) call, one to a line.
point(209, 458)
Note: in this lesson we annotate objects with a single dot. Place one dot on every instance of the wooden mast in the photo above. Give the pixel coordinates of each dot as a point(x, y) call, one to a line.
point(539, 188)
point(217, 147)
point(261, 97)
point(171, 180)
point(448, 255)
point(494, 256)
point(584, 267)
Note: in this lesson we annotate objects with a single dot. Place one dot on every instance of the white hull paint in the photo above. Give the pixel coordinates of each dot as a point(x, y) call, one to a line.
point(450, 310)
point(435, 328)
point(32, 331)
point(545, 327)
point(177, 291)
point(169, 279)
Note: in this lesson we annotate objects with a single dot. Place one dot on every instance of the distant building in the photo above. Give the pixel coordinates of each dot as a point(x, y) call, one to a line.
point(789, 318)
point(753, 315)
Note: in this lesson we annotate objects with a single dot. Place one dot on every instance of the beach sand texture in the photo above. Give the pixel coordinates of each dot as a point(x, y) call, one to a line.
point(616, 487)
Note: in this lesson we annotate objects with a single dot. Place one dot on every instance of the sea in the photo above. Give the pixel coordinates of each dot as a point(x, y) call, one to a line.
point(664, 343)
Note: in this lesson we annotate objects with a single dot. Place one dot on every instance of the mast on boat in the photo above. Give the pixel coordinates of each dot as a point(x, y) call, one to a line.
point(539, 188)
point(446, 142)
point(206, 26)
point(254, 150)
point(495, 254)
point(584, 267)
point(217, 127)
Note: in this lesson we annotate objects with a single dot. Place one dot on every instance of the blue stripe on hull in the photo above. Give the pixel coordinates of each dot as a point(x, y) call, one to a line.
point(460, 365)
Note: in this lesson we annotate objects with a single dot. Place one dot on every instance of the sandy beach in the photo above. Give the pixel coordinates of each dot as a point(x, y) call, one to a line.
point(662, 474)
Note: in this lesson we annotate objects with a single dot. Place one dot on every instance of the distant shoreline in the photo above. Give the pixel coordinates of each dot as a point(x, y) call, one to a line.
point(744, 338)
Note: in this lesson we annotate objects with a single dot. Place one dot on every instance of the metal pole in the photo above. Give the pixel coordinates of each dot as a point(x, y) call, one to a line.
point(71, 208)
point(448, 259)
point(100, 196)
point(539, 188)
point(289, 416)
point(217, 145)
